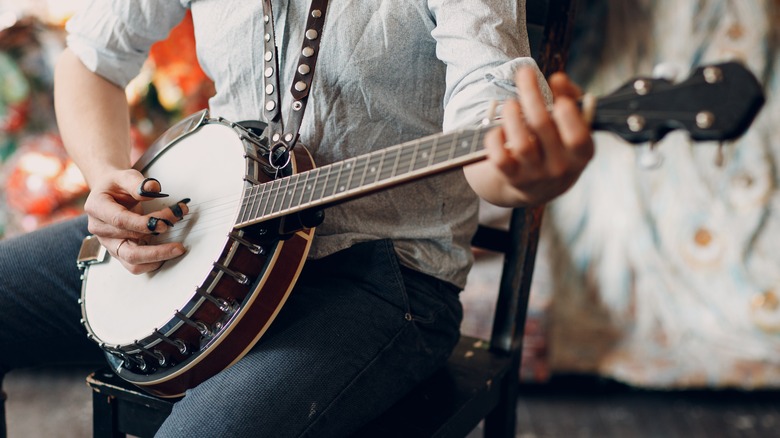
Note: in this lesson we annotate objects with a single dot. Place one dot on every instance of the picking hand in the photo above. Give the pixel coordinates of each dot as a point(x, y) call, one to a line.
point(116, 218)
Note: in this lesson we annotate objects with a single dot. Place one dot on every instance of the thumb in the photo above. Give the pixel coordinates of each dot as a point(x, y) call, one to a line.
point(138, 186)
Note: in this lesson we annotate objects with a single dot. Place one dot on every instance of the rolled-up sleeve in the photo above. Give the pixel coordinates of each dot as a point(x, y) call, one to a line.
point(483, 43)
point(112, 37)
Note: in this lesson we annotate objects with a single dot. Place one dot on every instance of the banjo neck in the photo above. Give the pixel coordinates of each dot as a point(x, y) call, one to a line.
point(716, 103)
point(355, 177)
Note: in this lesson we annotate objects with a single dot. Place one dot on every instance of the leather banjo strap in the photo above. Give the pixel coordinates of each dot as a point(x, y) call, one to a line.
point(284, 132)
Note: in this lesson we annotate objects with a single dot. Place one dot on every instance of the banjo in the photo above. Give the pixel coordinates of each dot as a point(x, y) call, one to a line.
point(252, 221)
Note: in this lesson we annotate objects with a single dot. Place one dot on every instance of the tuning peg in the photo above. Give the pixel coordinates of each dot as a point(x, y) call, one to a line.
point(649, 158)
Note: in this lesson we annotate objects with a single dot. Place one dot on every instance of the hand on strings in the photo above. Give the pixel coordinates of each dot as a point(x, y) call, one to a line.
point(117, 219)
point(539, 152)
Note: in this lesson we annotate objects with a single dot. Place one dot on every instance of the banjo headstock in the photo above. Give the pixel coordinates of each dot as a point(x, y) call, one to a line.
point(716, 103)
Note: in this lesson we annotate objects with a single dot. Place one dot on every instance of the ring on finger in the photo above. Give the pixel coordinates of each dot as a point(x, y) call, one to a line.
point(116, 251)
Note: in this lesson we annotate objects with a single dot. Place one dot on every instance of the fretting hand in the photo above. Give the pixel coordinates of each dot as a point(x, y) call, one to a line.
point(537, 153)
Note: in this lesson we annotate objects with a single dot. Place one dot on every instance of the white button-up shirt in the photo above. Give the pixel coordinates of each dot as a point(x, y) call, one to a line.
point(388, 72)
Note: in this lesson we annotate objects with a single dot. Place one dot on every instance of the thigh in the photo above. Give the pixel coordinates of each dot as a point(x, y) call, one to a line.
point(355, 335)
point(39, 311)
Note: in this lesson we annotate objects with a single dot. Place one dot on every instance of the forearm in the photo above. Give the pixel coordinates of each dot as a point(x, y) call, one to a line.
point(93, 118)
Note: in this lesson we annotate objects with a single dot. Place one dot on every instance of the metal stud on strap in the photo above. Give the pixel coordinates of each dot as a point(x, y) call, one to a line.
point(301, 83)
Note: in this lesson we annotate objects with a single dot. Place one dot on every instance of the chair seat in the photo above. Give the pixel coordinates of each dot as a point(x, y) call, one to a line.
point(119, 407)
point(451, 401)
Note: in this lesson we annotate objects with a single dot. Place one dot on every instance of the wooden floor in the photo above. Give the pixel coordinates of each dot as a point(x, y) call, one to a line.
point(585, 407)
point(56, 403)
point(48, 403)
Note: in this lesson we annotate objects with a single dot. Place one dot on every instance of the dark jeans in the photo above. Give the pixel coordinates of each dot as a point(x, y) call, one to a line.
point(357, 332)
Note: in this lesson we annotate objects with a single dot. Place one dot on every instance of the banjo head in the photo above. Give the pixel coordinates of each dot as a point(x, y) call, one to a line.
point(121, 308)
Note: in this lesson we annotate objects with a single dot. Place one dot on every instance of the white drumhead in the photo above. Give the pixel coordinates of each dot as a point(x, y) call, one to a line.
point(208, 167)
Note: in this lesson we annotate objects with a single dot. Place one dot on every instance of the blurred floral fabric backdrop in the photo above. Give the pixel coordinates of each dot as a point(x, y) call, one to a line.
point(670, 277)
point(40, 184)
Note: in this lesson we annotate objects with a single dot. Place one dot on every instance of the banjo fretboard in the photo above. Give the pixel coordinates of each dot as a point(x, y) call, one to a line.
point(361, 175)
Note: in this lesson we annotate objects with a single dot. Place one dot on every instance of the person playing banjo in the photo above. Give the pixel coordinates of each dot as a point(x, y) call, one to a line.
point(351, 98)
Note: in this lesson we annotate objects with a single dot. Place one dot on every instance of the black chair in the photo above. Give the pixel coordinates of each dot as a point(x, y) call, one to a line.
point(480, 380)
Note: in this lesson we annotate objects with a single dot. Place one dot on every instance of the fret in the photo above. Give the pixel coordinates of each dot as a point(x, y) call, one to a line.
point(405, 158)
point(264, 199)
point(465, 146)
point(424, 155)
point(441, 154)
point(273, 198)
point(339, 185)
point(414, 155)
point(350, 165)
point(374, 165)
point(477, 139)
point(431, 153)
point(311, 183)
point(254, 201)
point(300, 187)
point(289, 191)
point(361, 168)
point(453, 147)
point(366, 166)
point(322, 185)
point(332, 184)
point(389, 171)
point(245, 200)
point(279, 197)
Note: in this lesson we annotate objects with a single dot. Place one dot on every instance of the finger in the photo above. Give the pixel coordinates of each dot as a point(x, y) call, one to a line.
point(520, 142)
point(561, 86)
point(138, 258)
point(113, 245)
point(114, 218)
point(539, 119)
point(180, 209)
point(173, 212)
point(141, 269)
point(574, 131)
point(150, 188)
point(163, 220)
point(498, 154)
point(104, 230)
point(130, 186)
